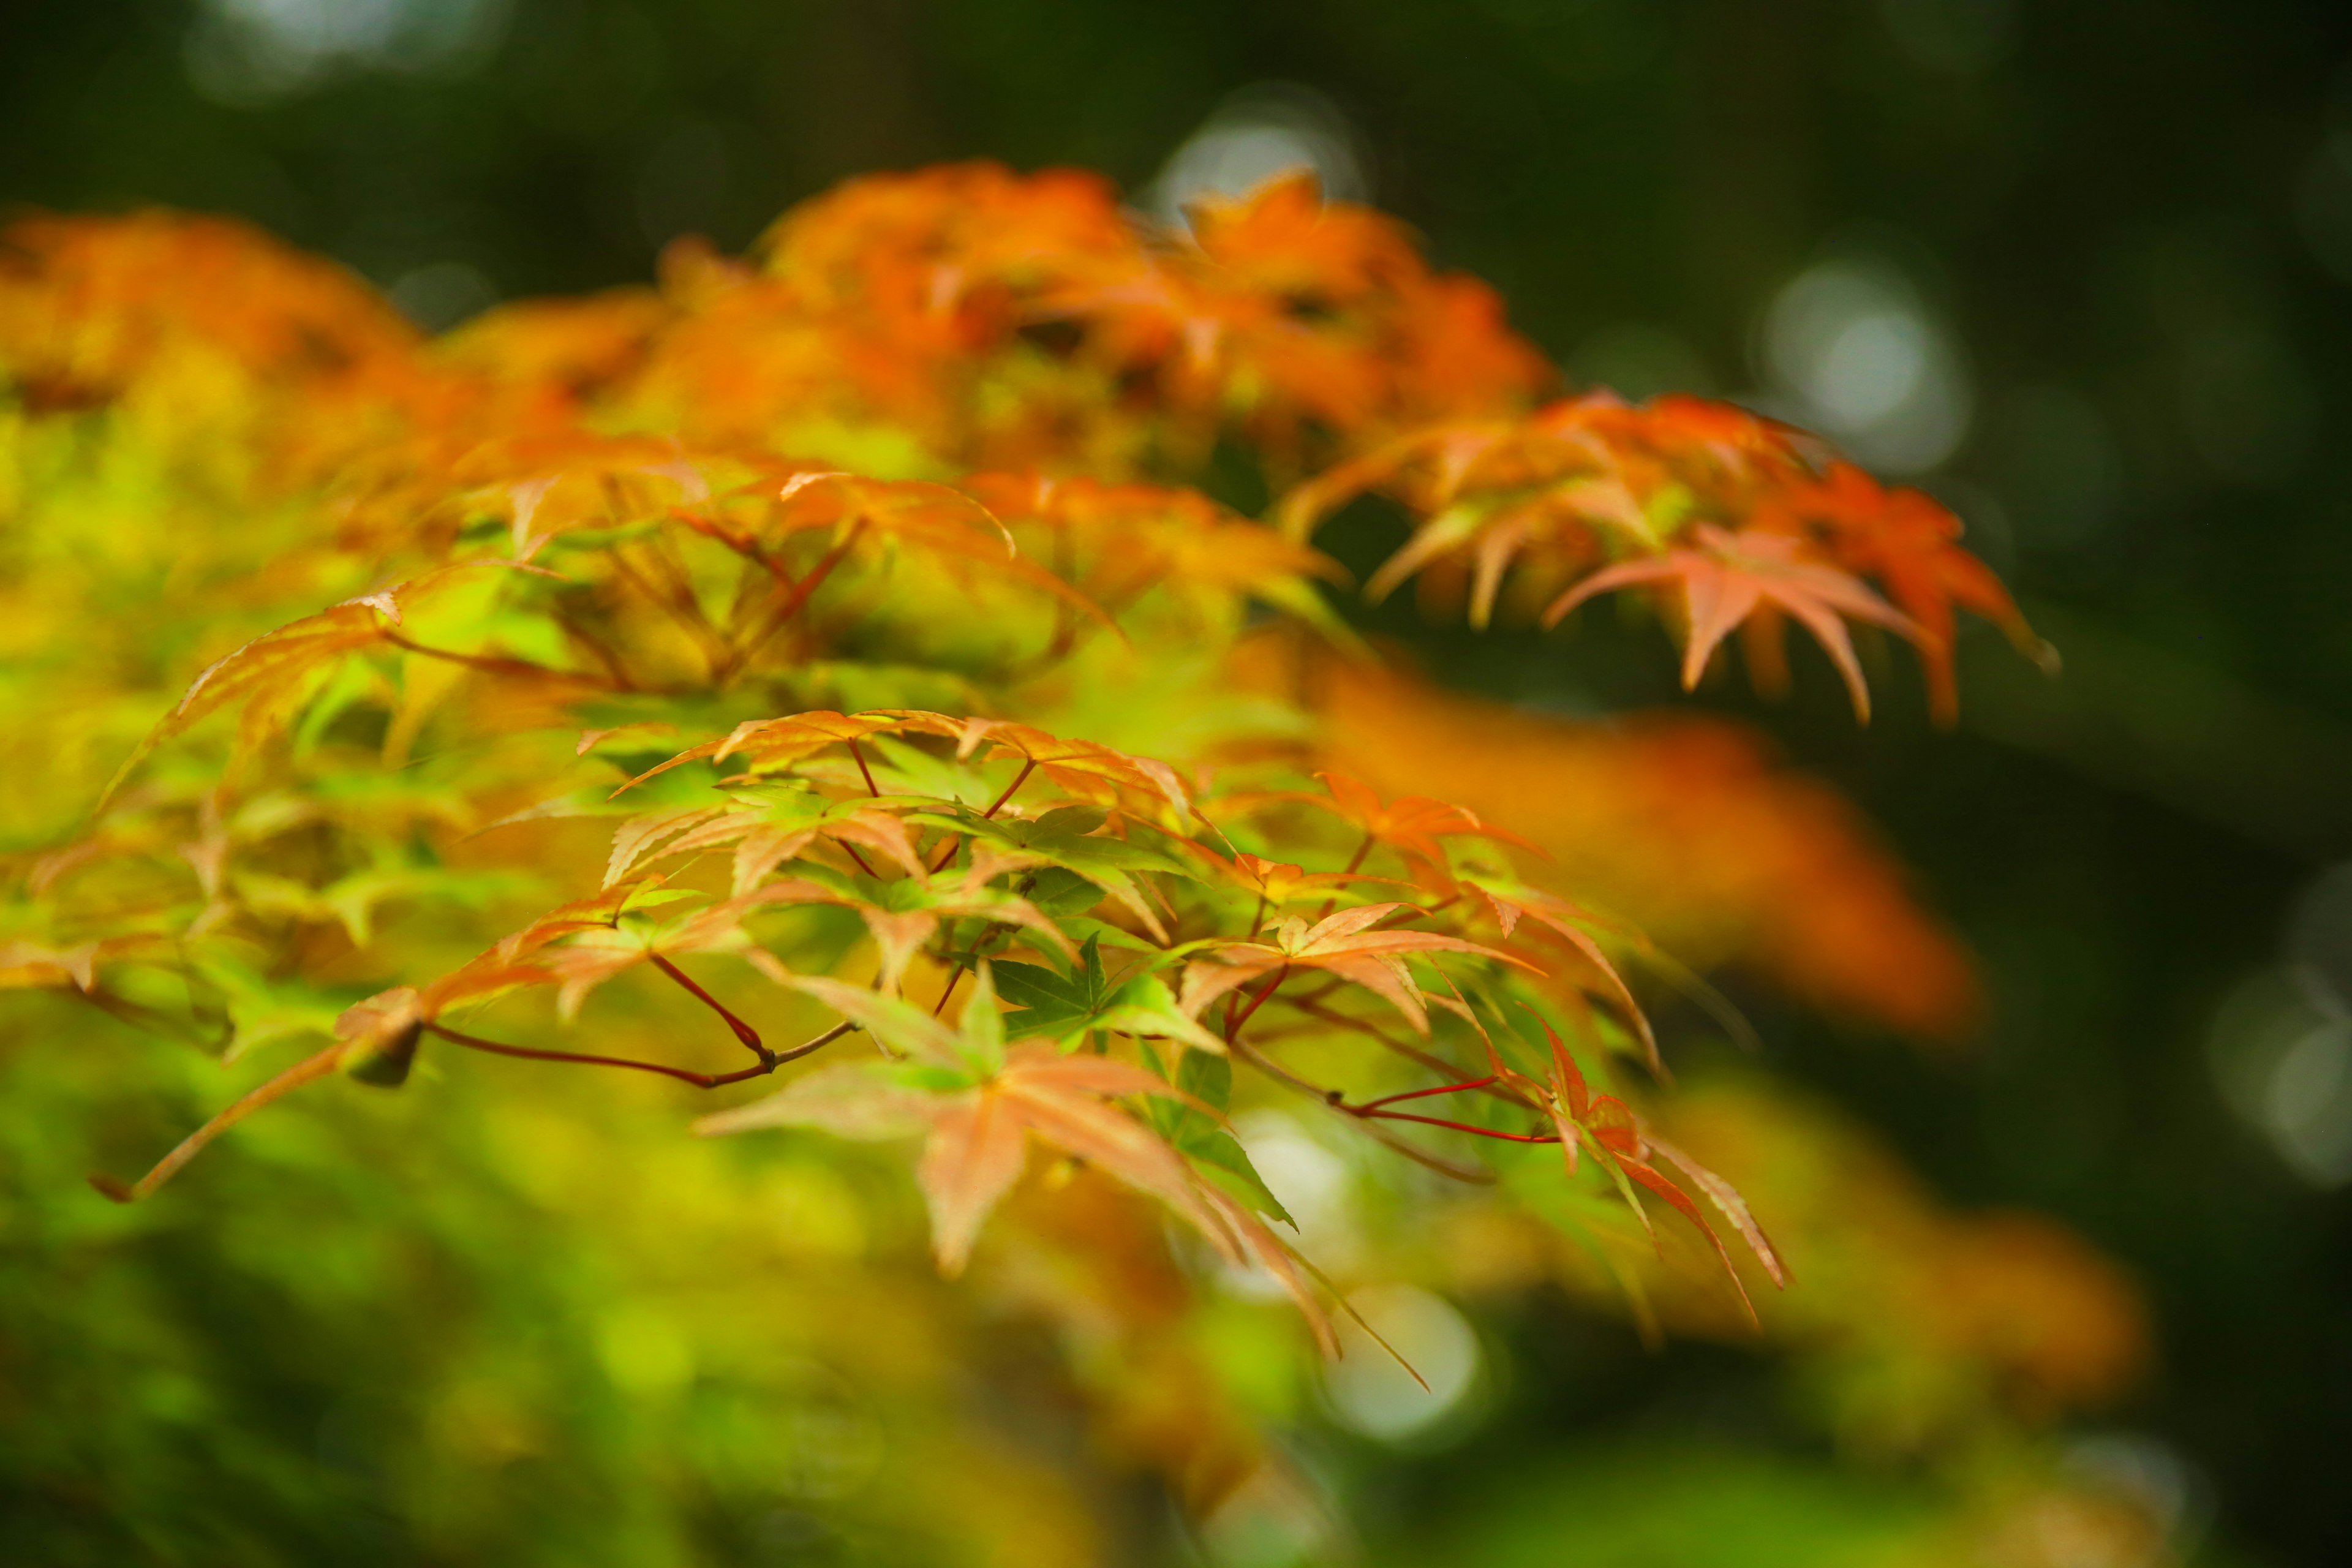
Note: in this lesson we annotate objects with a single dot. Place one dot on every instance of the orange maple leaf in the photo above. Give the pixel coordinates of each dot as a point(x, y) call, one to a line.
point(1730, 577)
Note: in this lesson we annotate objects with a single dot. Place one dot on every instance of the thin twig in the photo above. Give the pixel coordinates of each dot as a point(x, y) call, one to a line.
point(1018, 779)
point(1366, 1114)
point(700, 1080)
point(1331, 1097)
point(1423, 1093)
point(954, 981)
point(858, 755)
point(1412, 1053)
point(790, 604)
point(1234, 1026)
point(743, 1031)
point(495, 664)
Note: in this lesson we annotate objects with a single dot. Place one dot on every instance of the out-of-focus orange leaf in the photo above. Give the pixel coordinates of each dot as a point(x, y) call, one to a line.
point(1684, 827)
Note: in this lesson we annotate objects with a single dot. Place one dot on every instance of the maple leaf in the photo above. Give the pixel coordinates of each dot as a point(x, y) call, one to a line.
point(1512, 902)
point(1344, 944)
point(772, 744)
point(1910, 542)
point(1086, 768)
point(1730, 577)
point(1086, 1002)
point(1117, 543)
point(1285, 239)
point(1410, 825)
point(277, 672)
point(1616, 1137)
point(1279, 883)
point(376, 1039)
point(1072, 838)
point(977, 1131)
point(861, 514)
point(766, 827)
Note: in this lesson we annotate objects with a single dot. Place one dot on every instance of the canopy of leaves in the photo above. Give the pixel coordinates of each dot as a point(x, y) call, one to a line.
point(837, 652)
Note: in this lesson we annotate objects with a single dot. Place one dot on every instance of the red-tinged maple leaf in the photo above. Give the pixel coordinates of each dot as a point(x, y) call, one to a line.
point(777, 743)
point(1909, 542)
point(763, 838)
point(1085, 770)
point(862, 519)
point(1741, 442)
point(579, 348)
point(1277, 1258)
point(1560, 451)
point(593, 954)
point(1285, 239)
point(88, 304)
point(1513, 903)
point(1427, 465)
point(554, 481)
point(1345, 945)
point(1557, 525)
point(376, 1039)
point(1728, 577)
point(1410, 825)
point(1619, 1139)
point(977, 1134)
point(933, 244)
point(1279, 883)
point(1456, 355)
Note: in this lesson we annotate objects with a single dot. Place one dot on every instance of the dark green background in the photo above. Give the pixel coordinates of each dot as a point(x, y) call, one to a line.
point(2096, 193)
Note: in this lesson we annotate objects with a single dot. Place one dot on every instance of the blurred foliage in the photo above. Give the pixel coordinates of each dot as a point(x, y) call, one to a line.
point(2147, 301)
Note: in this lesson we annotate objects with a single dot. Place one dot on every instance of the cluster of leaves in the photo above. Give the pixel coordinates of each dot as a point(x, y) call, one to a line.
point(852, 624)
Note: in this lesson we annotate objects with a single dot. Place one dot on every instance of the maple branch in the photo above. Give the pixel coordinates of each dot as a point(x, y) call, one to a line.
point(1275, 1069)
point(743, 1031)
point(851, 850)
point(1367, 1113)
point(815, 1042)
point(980, 940)
point(769, 1062)
point(1365, 1027)
point(1420, 1093)
point(1469, 1174)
